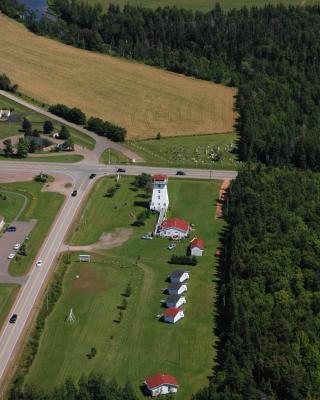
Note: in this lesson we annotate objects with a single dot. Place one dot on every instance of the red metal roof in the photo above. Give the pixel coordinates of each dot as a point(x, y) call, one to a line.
point(171, 312)
point(160, 177)
point(177, 223)
point(160, 379)
point(197, 243)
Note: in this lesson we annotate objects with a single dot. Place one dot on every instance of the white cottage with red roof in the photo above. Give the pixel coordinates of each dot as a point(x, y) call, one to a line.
point(173, 315)
point(197, 247)
point(174, 228)
point(161, 384)
point(160, 197)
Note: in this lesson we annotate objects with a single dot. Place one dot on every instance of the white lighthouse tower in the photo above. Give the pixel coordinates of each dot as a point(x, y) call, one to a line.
point(160, 198)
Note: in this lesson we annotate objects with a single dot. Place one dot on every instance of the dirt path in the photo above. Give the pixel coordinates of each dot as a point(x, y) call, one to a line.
point(222, 192)
point(61, 184)
point(106, 241)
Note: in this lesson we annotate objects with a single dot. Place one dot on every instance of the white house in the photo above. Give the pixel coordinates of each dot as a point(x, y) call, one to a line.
point(1, 222)
point(176, 288)
point(175, 301)
point(197, 247)
point(161, 384)
point(174, 228)
point(4, 114)
point(178, 276)
point(173, 315)
point(160, 197)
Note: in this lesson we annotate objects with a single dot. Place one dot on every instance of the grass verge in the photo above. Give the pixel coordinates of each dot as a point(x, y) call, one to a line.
point(8, 293)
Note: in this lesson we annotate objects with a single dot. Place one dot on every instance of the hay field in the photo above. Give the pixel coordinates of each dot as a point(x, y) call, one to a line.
point(143, 99)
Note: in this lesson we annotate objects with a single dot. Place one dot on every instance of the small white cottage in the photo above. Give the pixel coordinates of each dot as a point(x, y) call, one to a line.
point(173, 315)
point(161, 384)
point(178, 276)
point(176, 288)
point(174, 228)
point(197, 247)
point(175, 301)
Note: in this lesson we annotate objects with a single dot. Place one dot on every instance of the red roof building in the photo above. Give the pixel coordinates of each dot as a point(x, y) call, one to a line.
point(174, 227)
point(173, 314)
point(161, 384)
point(160, 177)
point(197, 247)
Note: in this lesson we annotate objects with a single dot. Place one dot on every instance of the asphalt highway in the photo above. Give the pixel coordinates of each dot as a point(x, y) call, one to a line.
point(27, 297)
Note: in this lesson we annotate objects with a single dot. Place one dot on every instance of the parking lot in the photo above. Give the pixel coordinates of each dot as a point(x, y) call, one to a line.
point(7, 242)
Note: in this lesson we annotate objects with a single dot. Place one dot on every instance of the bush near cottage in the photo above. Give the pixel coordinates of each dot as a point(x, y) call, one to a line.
point(183, 260)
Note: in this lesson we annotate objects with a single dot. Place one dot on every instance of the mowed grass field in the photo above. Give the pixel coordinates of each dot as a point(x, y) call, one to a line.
point(143, 99)
point(8, 128)
point(42, 206)
point(10, 205)
point(139, 345)
point(8, 293)
point(201, 5)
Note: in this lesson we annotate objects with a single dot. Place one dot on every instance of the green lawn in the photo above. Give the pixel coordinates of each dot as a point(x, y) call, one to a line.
point(110, 156)
point(139, 345)
point(13, 128)
point(61, 158)
point(189, 151)
point(8, 293)
point(10, 205)
point(201, 5)
point(42, 206)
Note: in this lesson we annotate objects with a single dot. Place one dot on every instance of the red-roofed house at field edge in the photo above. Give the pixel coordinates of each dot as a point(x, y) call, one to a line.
point(175, 228)
point(197, 247)
point(161, 384)
point(173, 315)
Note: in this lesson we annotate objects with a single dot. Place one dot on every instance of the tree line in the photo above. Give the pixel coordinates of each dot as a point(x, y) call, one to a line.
point(269, 295)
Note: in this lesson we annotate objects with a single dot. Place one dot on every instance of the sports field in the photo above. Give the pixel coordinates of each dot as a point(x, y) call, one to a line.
point(42, 206)
point(139, 345)
point(143, 99)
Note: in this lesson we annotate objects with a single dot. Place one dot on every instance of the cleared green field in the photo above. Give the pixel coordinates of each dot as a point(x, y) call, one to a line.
point(139, 345)
point(200, 5)
point(42, 206)
point(62, 158)
point(10, 205)
point(8, 293)
point(110, 156)
point(204, 151)
point(14, 128)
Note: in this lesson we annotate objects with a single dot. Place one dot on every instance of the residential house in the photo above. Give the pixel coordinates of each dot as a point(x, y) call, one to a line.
point(176, 288)
point(175, 300)
point(161, 384)
point(178, 276)
point(173, 315)
point(174, 228)
point(197, 247)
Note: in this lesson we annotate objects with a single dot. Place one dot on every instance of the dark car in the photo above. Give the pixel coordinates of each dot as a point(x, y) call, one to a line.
point(92, 176)
point(121, 170)
point(11, 229)
point(13, 318)
point(74, 193)
point(180, 173)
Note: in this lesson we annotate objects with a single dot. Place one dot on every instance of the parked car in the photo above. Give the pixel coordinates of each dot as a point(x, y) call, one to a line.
point(180, 173)
point(121, 170)
point(11, 256)
point(172, 246)
point(11, 229)
point(16, 246)
point(147, 237)
point(13, 318)
point(39, 263)
point(74, 193)
point(92, 176)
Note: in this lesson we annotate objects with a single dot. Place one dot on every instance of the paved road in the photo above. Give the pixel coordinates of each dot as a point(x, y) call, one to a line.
point(102, 143)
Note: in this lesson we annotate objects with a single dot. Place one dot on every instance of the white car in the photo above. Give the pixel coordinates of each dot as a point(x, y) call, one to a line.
point(39, 263)
point(16, 246)
point(11, 256)
point(172, 246)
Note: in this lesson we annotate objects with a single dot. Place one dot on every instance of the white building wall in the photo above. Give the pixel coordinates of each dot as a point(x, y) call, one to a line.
point(160, 197)
point(181, 279)
point(172, 232)
point(196, 252)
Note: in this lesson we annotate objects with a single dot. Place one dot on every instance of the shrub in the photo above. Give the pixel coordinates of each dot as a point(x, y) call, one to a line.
point(183, 260)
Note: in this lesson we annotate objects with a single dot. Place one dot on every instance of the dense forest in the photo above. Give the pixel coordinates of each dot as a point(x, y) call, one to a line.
point(270, 289)
point(272, 54)
point(94, 387)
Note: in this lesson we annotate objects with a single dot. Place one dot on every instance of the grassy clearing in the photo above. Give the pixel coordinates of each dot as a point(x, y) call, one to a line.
point(8, 293)
point(42, 206)
point(14, 128)
point(110, 156)
point(201, 5)
point(139, 345)
point(143, 99)
point(62, 158)
point(10, 204)
point(189, 151)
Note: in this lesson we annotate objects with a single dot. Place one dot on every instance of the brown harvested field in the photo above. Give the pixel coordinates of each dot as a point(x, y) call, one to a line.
point(143, 99)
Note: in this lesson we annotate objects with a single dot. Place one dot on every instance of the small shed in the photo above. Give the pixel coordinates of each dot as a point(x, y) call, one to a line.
point(197, 247)
point(173, 315)
point(175, 300)
point(179, 276)
point(176, 288)
point(161, 384)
